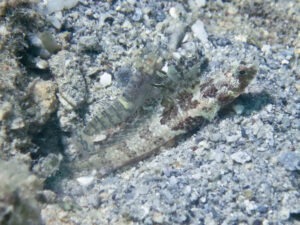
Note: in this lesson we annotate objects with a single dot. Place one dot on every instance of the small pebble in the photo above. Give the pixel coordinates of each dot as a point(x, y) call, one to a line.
point(58, 5)
point(250, 206)
point(105, 79)
point(89, 43)
point(174, 13)
point(290, 161)
point(94, 200)
point(35, 40)
point(89, 12)
point(56, 20)
point(240, 157)
point(173, 180)
point(49, 42)
point(139, 213)
point(239, 109)
point(42, 64)
point(266, 49)
point(17, 123)
point(5, 109)
point(199, 31)
point(85, 181)
point(232, 138)
point(262, 209)
point(99, 138)
point(138, 15)
point(158, 218)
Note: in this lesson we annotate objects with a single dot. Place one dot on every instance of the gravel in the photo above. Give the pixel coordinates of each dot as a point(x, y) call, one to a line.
point(242, 168)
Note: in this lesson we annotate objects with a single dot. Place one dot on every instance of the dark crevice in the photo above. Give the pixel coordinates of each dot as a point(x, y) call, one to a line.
point(252, 102)
point(48, 139)
point(295, 216)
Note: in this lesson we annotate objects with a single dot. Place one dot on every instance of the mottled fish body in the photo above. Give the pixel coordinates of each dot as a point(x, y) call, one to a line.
point(196, 93)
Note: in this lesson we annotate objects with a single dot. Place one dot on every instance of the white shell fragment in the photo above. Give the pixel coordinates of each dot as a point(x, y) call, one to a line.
point(239, 109)
point(165, 68)
point(58, 5)
point(85, 181)
point(99, 137)
point(174, 13)
point(42, 64)
point(105, 79)
point(199, 31)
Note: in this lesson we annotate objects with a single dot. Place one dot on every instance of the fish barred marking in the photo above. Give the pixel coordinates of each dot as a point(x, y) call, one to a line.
point(148, 83)
point(132, 99)
point(194, 101)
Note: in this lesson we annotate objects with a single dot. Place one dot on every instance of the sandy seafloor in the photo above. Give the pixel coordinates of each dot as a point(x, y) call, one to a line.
point(242, 168)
